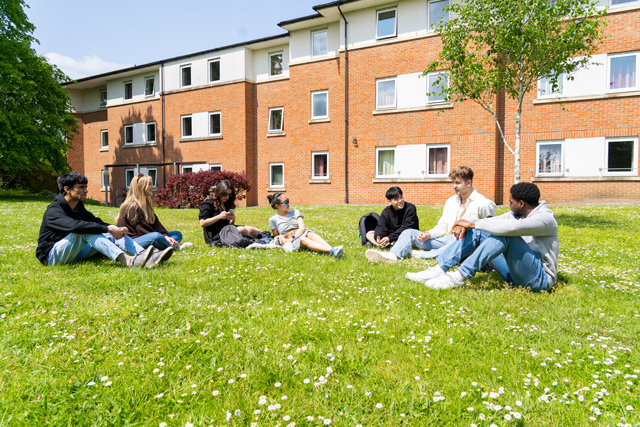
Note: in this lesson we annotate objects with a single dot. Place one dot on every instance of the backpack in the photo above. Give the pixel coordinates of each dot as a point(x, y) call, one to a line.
point(231, 237)
point(368, 222)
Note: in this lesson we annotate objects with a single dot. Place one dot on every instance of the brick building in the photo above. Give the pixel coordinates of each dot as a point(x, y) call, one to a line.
point(297, 116)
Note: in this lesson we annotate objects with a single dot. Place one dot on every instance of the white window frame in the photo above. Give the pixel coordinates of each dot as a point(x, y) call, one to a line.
point(215, 166)
point(183, 67)
point(319, 92)
point(281, 53)
point(182, 118)
point(153, 88)
point(395, 29)
point(211, 61)
point(154, 178)
point(318, 31)
point(626, 3)
point(128, 83)
point(446, 173)
point(395, 93)
point(634, 163)
point(378, 150)
point(539, 144)
point(105, 175)
point(190, 167)
point(127, 182)
point(431, 25)
point(103, 147)
point(622, 55)
point(313, 164)
point(271, 184)
point(437, 101)
point(133, 136)
point(155, 130)
point(101, 103)
point(273, 109)
point(219, 114)
point(552, 94)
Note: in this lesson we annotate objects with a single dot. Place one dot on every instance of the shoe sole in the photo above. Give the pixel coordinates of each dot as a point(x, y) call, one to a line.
point(165, 256)
point(415, 279)
point(375, 256)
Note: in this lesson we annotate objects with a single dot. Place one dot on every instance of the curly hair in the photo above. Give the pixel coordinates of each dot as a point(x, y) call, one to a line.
point(219, 190)
point(463, 172)
point(70, 179)
point(527, 192)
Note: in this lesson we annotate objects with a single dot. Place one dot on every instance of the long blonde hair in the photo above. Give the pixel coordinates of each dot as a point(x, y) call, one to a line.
point(137, 198)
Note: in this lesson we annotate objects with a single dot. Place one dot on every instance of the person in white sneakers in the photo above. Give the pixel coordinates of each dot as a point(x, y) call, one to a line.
point(467, 204)
point(527, 237)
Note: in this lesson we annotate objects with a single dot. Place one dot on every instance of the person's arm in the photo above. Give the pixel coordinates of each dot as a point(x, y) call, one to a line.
point(487, 209)
point(208, 217)
point(447, 219)
point(382, 229)
point(539, 224)
point(58, 220)
point(410, 221)
point(301, 228)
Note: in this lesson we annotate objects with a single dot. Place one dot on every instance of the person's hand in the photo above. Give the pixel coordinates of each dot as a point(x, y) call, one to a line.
point(281, 239)
point(422, 237)
point(459, 232)
point(232, 217)
point(464, 223)
point(384, 242)
point(173, 242)
point(226, 215)
point(118, 232)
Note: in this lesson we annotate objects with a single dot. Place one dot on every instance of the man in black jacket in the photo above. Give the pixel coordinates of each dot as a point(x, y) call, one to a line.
point(395, 218)
point(70, 233)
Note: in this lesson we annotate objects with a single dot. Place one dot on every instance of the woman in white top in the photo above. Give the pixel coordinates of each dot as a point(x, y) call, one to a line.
point(289, 230)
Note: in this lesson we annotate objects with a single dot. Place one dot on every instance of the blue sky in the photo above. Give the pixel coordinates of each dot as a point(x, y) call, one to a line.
point(88, 37)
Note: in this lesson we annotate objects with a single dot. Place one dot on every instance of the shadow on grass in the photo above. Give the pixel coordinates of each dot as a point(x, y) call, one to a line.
point(492, 281)
point(585, 221)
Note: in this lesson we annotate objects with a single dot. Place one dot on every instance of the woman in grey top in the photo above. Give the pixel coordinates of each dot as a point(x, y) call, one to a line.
point(287, 226)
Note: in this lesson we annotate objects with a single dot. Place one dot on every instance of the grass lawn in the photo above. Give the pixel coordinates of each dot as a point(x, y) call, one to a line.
point(236, 337)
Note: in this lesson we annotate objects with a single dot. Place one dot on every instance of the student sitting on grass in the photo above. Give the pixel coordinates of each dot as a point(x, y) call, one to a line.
point(218, 211)
point(70, 233)
point(143, 225)
point(395, 218)
point(289, 230)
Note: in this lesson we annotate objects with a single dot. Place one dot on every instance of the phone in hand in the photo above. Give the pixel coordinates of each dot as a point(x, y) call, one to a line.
point(232, 210)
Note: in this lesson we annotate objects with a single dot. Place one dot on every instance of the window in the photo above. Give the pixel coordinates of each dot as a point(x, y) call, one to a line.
point(104, 139)
point(128, 134)
point(187, 169)
point(276, 175)
point(550, 158)
point(187, 129)
point(320, 165)
point(151, 132)
point(214, 70)
point(320, 104)
point(153, 173)
point(438, 160)
point(275, 63)
point(185, 76)
point(386, 93)
point(103, 98)
point(215, 120)
point(128, 176)
point(617, 2)
point(128, 90)
point(385, 160)
point(622, 72)
point(275, 119)
point(215, 167)
point(437, 14)
point(436, 81)
point(319, 42)
point(545, 88)
point(149, 86)
point(105, 180)
point(386, 23)
point(621, 155)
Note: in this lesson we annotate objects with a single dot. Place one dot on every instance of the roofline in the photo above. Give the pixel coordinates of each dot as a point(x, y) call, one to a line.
point(137, 67)
point(301, 19)
point(332, 4)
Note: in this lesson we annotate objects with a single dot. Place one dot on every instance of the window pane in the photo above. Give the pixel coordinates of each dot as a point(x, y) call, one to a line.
point(320, 43)
point(620, 156)
point(105, 179)
point(386, 23)
point(128, 91)
point(128, 177)
point(436, 88)
point(186, 76)
point(320, 105)
point(320, 165)
point(149, 87)
point(623, 72)
point(214, 71)
point(187, 169)
point(275, 120)
point(153, 173)
point(104, 140)
point(438, 162)
point(216, 168)
point(386, 93)
point(128, 135)
point(277, 175)
point(386, 162)
point(545, 87)
point(103, 98)
point(615, 2)
point(550, 158)
point(437, 14)
point(151, 132)
point(186, 126)
point(276, 64)
point(214, 124)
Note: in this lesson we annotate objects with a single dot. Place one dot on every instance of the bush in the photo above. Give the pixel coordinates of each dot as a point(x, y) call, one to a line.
point(188, 190)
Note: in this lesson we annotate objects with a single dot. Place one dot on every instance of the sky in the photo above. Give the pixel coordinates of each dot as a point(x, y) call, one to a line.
point(88, 37)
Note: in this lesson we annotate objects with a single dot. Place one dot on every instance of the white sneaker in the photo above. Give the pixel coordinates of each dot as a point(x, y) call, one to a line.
point(416, 254)
point(377, 256)
point(448, 281)
point(428, 274)
point(186, 245)
point(288, 247)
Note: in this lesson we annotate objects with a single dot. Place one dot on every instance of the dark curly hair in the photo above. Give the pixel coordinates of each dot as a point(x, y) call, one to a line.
point(70, 179)
point(527, 192)
point(274, 199)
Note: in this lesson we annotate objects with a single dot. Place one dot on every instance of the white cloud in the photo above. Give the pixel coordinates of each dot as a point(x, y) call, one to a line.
point(87, 66)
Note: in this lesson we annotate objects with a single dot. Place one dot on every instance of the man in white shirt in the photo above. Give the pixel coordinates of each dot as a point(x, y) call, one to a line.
point(467, 204)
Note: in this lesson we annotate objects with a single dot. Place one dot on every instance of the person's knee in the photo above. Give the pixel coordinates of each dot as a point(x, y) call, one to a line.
point(176, 235)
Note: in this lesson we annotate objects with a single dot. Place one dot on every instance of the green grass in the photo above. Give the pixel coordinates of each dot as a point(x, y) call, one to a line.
point(202, 338)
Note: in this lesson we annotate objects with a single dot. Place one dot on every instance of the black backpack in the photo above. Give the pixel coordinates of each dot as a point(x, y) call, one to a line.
point(231, 237)
point(368, 222)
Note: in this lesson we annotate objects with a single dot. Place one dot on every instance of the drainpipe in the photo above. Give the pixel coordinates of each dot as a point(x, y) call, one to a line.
point(164, 175)
point(346, 109)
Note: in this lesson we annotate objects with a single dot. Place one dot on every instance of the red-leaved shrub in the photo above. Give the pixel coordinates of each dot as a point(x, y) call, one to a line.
point(188, 190)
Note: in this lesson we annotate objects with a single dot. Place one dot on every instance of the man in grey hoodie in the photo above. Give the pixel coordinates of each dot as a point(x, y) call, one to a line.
point(527, 236)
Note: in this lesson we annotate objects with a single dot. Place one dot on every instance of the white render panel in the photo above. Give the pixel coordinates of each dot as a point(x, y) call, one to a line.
point(232, 67)
point(412, 90)
point(412, 18)
point(115, 89)
point(591, 80)
point(583, 156)
point(200, 123)
point(362, 27)
point(261, 63)
point(300, 42)
point(248, 61)
point(139, 134)
point(411, 161)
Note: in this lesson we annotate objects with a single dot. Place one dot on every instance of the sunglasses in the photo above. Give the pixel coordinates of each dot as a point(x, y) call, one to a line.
point(229, 194)
point(286, 202)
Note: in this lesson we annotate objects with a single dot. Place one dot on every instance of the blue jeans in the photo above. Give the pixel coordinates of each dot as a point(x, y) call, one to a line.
point(158, 240)
point(409, 238)
point(78, 247)
point(523, 263)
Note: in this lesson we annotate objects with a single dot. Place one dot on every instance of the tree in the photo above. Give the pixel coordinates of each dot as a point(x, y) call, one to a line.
point(495, 46)
point(35, 110)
